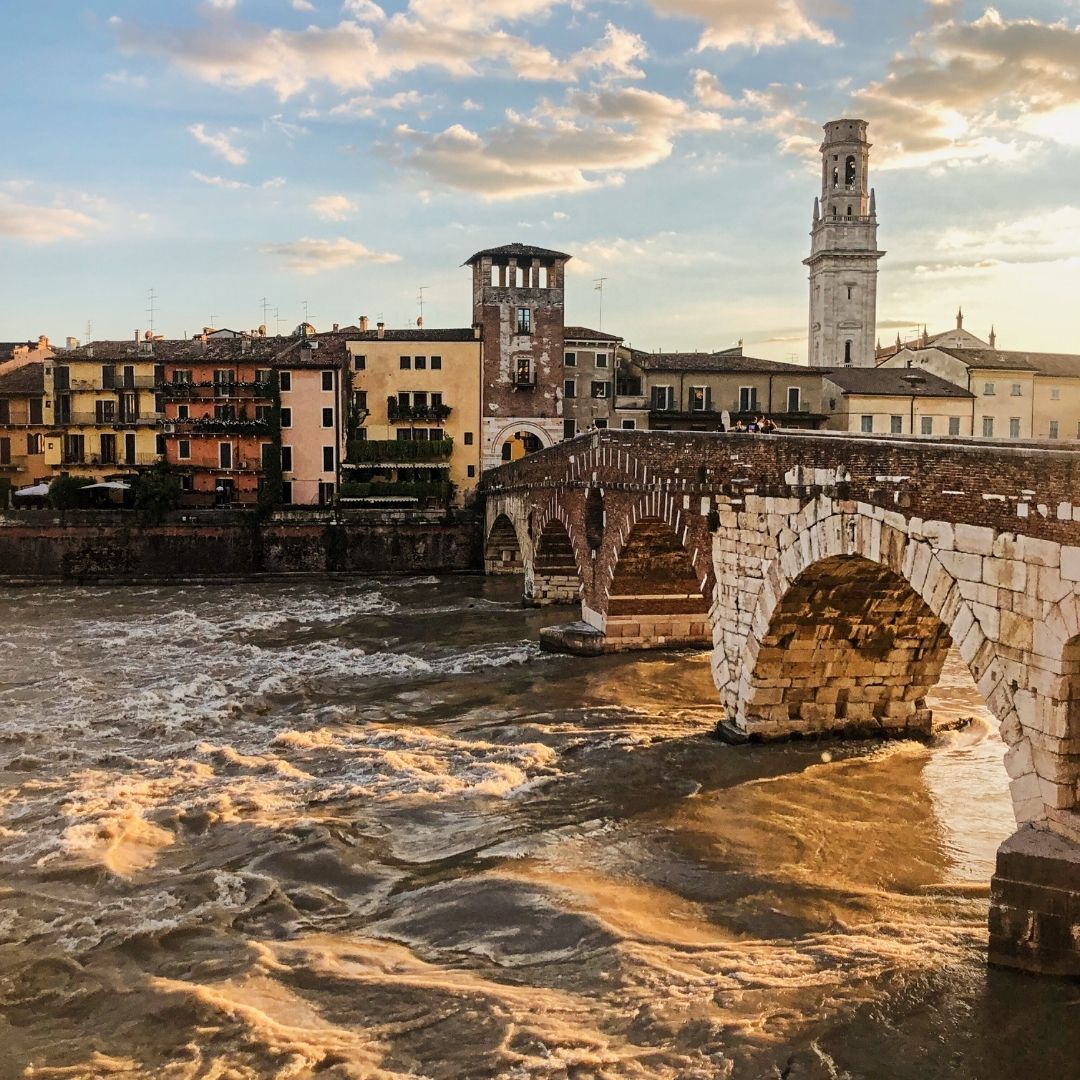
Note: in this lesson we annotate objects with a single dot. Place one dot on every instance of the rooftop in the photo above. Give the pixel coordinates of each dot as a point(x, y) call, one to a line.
point(1060, 364)
point(187, 350)
point(730, 360)
point(518, 251)
point(419, 335)
point(893, 382)
point(28, 379)
point(583, 333)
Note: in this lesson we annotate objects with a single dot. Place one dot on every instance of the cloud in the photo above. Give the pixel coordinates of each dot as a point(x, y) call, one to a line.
point(309, 256)
point(976, 90)
point(303, 5)
point(587, 142)
point(219, 144)
point(236, 185)
point(370, 104)
point(367, 47)
point(753, 23)
point(47, 224)
point(333, 207)
point(125, 78)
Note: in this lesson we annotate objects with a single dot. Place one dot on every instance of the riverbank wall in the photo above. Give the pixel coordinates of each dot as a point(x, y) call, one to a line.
point(117, 546)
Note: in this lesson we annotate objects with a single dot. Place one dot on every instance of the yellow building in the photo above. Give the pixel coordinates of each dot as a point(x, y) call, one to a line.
point(1016, 395)
point(889, 401)
point(22, 427)
point(415, 412)
point(102, 409)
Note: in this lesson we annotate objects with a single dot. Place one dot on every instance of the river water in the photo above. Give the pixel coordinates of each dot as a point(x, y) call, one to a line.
point(365, 829)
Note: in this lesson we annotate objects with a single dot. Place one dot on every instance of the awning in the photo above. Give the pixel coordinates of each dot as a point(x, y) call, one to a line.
point(34, 491)
point(108, 485)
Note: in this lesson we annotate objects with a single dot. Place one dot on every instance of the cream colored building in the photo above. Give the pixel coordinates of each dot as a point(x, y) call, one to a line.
point(416, 409)
point(884, 401)
point(1016, 395)
point(103, 409)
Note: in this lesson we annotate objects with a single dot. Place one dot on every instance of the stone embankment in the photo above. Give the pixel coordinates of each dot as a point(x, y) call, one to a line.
point(115, 546)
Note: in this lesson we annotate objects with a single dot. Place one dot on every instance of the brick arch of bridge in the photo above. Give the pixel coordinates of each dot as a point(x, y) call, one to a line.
point(842, 584)
point(507, 545)
point(560, 552)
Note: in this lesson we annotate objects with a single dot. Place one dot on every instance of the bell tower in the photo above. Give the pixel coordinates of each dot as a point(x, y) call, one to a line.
point(844, 253)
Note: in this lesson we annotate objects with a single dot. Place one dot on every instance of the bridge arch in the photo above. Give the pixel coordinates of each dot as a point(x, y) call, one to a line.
point(504, 547)
point(657, 589)
point(556, 576)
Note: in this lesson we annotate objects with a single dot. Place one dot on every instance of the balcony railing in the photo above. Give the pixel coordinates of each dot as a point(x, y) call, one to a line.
point(397, 411)
point(119, 420)
point(398, 451)
point(212, 425)
point(120, 461)
point(439, 492)
point(188, 390)
point(631, 401)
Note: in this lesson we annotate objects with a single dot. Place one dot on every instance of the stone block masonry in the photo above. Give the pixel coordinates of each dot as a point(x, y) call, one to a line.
point(830, 575)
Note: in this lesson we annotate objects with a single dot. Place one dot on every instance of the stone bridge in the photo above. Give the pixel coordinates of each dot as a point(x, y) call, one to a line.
point(830, 575)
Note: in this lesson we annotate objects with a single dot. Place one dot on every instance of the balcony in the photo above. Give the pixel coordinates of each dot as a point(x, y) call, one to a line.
point(96, 461)
point(212, 425)
point(379, 491)
point(631, 401)
point(186, 391)
point(398, 451)
point(118, 420)
point(398, 412)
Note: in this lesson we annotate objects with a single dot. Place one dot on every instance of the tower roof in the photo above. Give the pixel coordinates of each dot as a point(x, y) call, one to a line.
point(511, 251)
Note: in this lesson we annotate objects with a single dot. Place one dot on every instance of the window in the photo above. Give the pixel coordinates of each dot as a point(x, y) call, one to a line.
point(1016, 390)
point(629, 425)
point(850, 291)
point(663, 398)
point(5, 451)
point(286, 461)
point(471, 471)
point(420, 363)
point(183, 450)
point(224, 412)
point(571, 359)
point(569, 429)
point(927, 423)
point(5, 412)
point(570, 388)
point(328, 380)
point(524, 320)
point(108, 376)
point(866, 424)
point(419, 399)
point(267, 456)
point(225, 455)
point(794, 399)
point(988, 389)
point(468, 438)
point(262, 376)
point(545, 277)
point(896, 425)
point(328, 459)
point(748, 400)
point(523, 373)
point(286, 492)
point(36, 415)
point(436, 363)
point(1055, 394)
point(988, 427)
point(847, 352)
point(700, 399)
point(601, 359)
point(179, 376)
point(954, 425)
point(405, 363)
point(183, 412)
point(74, 449)
point(328, 417)
point(285, 380)
point(1053, 429)
point(600, 389)
point(600, 422)
point(105, 412)
point(1014, 427)
point(849, 172)
point(286, 418)
point(359, 363)
point(224, 378)
point(35, 444)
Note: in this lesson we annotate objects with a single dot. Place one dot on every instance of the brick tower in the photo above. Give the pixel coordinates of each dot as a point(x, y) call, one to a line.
point(518, 301)
point(844, 253)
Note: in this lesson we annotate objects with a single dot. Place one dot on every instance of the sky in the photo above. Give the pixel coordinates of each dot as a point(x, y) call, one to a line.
point(329, 160)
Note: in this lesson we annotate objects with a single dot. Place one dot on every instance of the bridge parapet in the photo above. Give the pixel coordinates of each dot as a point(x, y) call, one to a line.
point(830, 575)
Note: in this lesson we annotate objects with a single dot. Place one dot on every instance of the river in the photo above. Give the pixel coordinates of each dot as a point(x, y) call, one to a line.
point(363, 828)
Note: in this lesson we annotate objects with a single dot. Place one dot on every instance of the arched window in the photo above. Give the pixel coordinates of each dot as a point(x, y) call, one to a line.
point(847, 352)
point(849, 172)
point(836, 178)
point(849, 210)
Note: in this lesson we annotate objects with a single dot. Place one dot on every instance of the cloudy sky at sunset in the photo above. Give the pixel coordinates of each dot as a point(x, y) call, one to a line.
point(345, 154)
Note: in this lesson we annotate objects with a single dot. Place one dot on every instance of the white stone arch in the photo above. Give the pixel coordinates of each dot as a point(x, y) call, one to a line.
point(512, 427)
point(822, 532)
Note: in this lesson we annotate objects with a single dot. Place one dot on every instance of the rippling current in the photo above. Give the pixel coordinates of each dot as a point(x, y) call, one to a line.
point(365, 829)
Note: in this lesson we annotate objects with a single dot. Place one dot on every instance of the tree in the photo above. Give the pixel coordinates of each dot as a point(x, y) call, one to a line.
point(66, 492)
point(157, 492)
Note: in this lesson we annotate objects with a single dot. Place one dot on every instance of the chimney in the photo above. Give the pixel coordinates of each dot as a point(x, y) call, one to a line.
point(363, 324)
point(381, 330)
point(72, 343)
point(336, 328)
point(476, 331)
point(207, 329)
point(136, 337)
point(43, 341)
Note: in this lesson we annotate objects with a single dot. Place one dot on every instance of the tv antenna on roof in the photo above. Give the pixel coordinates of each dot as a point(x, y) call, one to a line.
point(420, 299)
point(266, 308)
point(307, 318)
point(152, 309)
point(212, 318)
point(89, 331)
point(598, 285)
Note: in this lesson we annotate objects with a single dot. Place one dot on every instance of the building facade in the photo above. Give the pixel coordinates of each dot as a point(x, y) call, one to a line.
point(844, 252)
point(22, 427)
point(883, 401)
point(519, 302)
point(590, 371)
point(103, 409)
point(415, 428)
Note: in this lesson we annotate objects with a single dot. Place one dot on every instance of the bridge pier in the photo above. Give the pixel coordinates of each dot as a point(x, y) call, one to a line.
point(1035, 904)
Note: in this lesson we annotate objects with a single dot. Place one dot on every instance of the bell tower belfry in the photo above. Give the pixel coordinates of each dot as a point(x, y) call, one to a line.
point(844, 253)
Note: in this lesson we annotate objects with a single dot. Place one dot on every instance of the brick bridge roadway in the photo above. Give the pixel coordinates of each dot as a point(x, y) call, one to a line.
point(829, 575)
